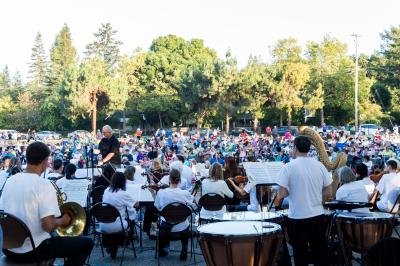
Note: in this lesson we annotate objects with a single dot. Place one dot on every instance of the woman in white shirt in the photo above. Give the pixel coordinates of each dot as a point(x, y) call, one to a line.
point(70, 171)
point(167, 196)
point(351, 190)
point(215, 184)
point(117, 196)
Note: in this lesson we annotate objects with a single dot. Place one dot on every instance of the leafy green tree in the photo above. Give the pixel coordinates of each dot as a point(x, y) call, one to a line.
point(105, 46)
point(256, 85)
point(292, 74)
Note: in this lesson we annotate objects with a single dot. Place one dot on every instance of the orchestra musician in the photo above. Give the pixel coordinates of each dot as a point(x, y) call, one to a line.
point(170, 195)
point(70, 170)
point(117, 196)
point(57, 171)
point(105, 177)
point(388, 187)
point(33, 200)
point(130, 174)
point(215, 184)
point(232, 170)
point(187, 173)
point(351, 190)
point(304, 181)
point(109, 148)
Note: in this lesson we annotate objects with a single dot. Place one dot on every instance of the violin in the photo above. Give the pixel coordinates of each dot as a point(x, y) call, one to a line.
point(155, 187)
point(376, 177)
point(238, 180)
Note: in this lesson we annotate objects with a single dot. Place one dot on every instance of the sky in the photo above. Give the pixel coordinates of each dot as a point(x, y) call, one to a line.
point(246, 27)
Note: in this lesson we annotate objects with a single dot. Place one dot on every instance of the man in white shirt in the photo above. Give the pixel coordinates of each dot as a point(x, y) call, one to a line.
point(304, 181)
point(178, 166)
point(33, 200)
point(167, 196)
point(388, 187)
point(187, 173)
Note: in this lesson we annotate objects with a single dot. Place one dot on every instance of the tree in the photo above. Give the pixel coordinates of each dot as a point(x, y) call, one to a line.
point(105, 46)
point(291, 76)
point(38, 63)
point(255, 89)
point(325, 59)
point(63, 57)
point(199, 88)
point(228, 83)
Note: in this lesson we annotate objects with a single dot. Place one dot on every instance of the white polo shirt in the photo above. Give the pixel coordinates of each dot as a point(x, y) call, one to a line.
point(30, 198)
point(304, 178)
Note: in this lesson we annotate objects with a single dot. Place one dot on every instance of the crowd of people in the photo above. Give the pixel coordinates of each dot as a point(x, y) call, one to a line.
point(170, 163)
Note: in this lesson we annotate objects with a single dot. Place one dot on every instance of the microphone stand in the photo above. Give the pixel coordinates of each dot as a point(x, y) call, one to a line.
point(87, 161)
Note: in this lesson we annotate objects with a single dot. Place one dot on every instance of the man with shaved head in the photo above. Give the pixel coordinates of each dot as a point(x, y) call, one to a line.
point(109, 148)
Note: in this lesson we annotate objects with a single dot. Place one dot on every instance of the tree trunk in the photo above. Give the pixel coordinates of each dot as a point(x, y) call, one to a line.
point(94, 111)
point(255, 124)
point(159, 117)
point(199, 118)
point(289, 117)
point(281, 118)
point(227, 122)
point(322, 117)
point(124, 120)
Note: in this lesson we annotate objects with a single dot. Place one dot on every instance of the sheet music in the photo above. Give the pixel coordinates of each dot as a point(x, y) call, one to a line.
point(77, 191)
point(139, 194)
point(85, 173)
point(201, 170)
point(263, 172)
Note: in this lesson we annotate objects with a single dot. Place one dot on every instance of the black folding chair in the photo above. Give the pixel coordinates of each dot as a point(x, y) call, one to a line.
point(211, 202)
point(96, 194)
point(15, 232)
point(106, 213)
point(173, 214)
point(383, 253)
point(396, 212)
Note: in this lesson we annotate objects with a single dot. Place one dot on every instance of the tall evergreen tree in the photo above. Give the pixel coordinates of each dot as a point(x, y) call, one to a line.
point(105, 45)
point(63, 56)
point(38, 63)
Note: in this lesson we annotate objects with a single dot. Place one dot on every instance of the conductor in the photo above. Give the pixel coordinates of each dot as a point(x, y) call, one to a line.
point(109, 148)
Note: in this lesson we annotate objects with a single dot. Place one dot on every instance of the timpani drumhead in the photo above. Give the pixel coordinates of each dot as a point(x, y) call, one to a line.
point(285, 212)
point(249, 216)
point(238, 228)
point(365, 216)
point(238, 243)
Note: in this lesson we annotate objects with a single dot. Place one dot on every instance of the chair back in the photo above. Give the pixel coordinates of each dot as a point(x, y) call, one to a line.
point(105, 212)
point(176, 212)
point(212, 202)
point(396, 204)
point(97, 194)
point(15, 231)
point(383, 253)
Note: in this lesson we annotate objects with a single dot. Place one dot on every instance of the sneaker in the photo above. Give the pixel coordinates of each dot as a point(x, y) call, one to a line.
point(183, 255)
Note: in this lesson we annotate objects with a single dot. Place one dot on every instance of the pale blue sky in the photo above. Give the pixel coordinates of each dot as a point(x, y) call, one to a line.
point(246, 27)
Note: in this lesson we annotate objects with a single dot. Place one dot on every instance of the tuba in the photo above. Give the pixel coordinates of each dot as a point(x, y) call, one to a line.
point(74, 210)
point(334, 165)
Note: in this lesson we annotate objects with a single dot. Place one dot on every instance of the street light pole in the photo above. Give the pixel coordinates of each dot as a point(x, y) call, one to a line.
point(356, 84)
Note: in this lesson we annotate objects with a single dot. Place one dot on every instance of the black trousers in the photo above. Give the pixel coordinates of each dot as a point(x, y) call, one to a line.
point(166, 237)
point(308, 239)
point(150, 216)
point(75, 250)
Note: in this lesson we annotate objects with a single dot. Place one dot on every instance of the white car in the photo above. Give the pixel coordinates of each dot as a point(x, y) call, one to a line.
point(81, 134)
point(369, 129)
point(47, 135)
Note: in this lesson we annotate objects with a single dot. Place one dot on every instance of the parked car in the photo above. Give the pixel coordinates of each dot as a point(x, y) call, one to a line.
point(47, 135)
point(283, 129)
point(327, 128)
point(80, 133)
point(369, 129)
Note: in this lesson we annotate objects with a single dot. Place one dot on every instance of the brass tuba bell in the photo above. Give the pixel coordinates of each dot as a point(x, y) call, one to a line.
point(74, 210)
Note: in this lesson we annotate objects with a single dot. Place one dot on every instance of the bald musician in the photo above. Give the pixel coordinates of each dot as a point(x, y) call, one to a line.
point(304, 181)
point(33, 200)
